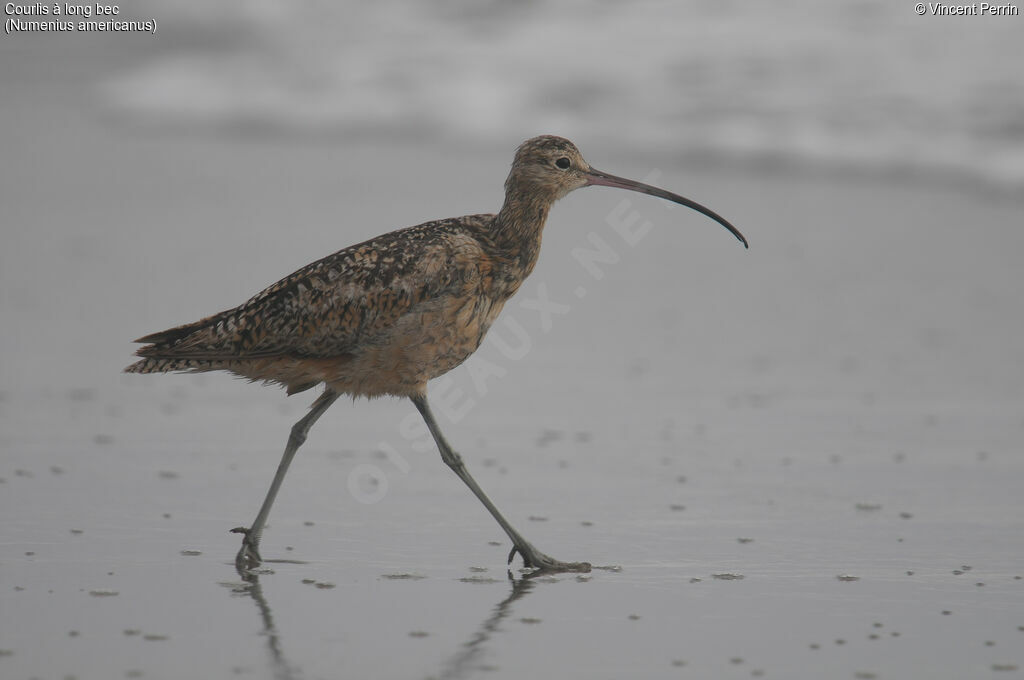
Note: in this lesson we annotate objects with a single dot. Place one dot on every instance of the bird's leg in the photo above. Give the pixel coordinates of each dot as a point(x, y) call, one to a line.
point(249, 554)
point(531, 556)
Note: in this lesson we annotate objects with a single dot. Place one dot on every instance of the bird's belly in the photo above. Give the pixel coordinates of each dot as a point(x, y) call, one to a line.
point(422, 345)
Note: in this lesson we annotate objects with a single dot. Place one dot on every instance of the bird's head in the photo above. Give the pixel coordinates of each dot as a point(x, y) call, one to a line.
point(546, 168)
point(549, 165)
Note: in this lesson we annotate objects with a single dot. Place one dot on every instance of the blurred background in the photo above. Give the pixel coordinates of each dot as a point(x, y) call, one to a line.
point(250, 139)
point(854, 379)
point(866, 84)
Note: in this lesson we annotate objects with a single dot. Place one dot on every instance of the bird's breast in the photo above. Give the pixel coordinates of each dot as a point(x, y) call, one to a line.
point(440, 330)
point(423, 345)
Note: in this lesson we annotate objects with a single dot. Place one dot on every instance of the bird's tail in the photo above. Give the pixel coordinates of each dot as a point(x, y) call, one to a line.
point(174, 364)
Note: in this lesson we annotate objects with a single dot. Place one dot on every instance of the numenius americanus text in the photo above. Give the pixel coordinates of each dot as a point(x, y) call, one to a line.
point(385, 316)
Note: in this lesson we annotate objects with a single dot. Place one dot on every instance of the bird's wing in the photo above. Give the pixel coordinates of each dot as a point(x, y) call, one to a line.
point(331, 306)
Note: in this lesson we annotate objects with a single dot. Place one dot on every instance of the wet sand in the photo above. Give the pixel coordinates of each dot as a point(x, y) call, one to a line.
point(799, 461)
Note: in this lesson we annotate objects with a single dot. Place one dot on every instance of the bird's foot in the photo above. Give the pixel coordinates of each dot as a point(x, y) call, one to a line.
point(248, 555)
point(535, 559)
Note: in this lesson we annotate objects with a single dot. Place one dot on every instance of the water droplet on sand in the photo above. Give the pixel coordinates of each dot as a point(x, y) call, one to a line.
point(478, 579)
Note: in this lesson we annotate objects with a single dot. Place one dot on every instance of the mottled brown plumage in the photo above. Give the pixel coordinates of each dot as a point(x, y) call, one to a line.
point(385, 316)
point(376, 318)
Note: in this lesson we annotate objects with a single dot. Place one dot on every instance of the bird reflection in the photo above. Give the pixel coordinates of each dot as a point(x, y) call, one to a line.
point(252, 588)
point(466, 662)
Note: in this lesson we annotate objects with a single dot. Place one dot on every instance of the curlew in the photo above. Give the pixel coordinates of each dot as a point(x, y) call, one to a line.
point(385, 316)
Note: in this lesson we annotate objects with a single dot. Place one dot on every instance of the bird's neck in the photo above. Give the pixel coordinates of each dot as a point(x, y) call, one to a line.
point(518, 227)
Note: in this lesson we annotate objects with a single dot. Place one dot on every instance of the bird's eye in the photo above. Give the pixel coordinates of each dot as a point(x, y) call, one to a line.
point(563, 163)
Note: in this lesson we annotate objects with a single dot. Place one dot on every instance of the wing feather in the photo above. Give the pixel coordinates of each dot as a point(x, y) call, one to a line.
point(330, 307)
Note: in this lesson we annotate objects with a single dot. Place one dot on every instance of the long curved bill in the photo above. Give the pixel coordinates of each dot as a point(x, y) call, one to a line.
point(598, 178)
